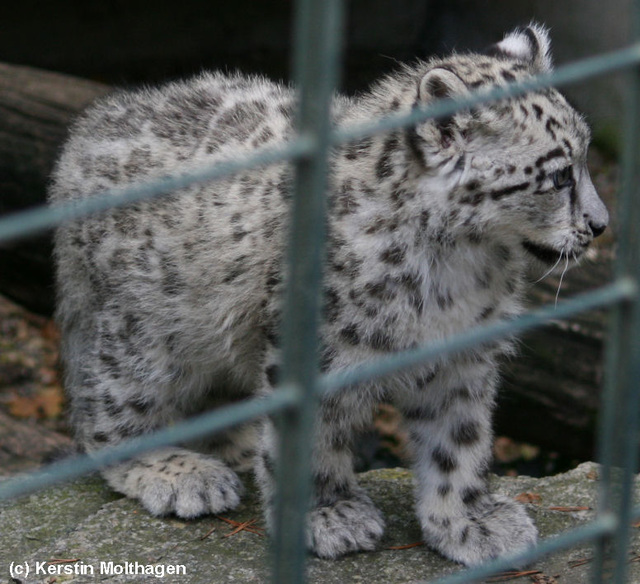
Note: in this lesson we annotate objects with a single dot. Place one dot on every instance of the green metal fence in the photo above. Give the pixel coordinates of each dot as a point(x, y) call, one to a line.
point(318, 33)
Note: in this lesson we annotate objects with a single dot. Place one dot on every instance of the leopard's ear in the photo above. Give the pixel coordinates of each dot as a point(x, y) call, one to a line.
point(436, 84)
point(440, 83)
point(530, 45)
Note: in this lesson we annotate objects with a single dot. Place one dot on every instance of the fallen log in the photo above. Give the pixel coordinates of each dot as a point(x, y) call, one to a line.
point(550, 394)
point(35, 110)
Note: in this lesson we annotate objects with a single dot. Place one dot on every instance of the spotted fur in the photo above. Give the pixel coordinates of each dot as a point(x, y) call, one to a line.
point(172, 306)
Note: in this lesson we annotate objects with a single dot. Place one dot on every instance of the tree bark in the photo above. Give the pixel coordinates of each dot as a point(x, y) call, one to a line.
point(35, 110)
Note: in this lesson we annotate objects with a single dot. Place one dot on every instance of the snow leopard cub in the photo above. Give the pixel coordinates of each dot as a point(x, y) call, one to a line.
point(171, 307)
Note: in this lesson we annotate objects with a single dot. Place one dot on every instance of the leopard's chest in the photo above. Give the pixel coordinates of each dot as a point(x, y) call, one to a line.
point(424, 298)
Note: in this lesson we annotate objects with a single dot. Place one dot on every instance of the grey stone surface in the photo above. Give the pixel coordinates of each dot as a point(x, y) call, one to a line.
point(85, 521)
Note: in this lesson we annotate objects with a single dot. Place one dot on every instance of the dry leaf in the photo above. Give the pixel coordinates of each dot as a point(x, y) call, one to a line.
point(406, 547)
point(528, 497)
point(569, 509)
point(513, 575)
point(46, 404)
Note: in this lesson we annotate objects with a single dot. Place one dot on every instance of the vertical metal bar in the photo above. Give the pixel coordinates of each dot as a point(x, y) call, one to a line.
point(317, 47)
point(618, 439)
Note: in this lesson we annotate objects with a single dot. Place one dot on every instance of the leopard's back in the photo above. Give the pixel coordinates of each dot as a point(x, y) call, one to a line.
point(189, 269)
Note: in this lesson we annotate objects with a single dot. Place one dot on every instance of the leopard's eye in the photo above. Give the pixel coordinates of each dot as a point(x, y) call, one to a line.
point(563, 178)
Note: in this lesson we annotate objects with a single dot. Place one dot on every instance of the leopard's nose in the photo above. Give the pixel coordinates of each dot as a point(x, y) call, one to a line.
point(597, 228)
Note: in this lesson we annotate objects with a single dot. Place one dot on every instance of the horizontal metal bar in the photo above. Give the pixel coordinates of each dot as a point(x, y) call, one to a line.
point(624, 289)
point(564, 75)
point(46, 217)
point(285, 397)
point(599, 527)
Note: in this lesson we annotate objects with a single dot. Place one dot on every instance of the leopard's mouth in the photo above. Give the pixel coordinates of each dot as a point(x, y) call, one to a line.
point(546, 254)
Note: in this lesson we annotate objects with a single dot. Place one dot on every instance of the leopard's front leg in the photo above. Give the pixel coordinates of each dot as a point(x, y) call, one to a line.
point(450, 432)
point(342, 517)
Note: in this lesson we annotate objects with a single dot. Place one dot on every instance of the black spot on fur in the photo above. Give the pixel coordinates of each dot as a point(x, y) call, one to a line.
point(111, 363)
point(472, 185)
point(138, 405)
point(100, 437)
point(487, 312)
point(331, 307)
point(411, 283)
point(568, 146)
point(555, 153)
point(238, 268)
point(268, 463)
point(550, 125)
point(461, 392)
point(470, 495)
point(356, 149)
point(473, 199)
point(380, 341)
point(384, 167)
point(423, 380)
point(399, 195)
point(466, 433)
point(112, 408)
point(350, 334)
point(329, 491)
point(273, 280)
point(394, 255)
point(445, 301)
point(380, 290)
point(419, 413)
point(444, 460)
point(326, 359)
point(500, 193)
point(424, 219)
point(265, 136)
point(503, 255)
point(415, 142)
point(444, 489)
point(537, 110)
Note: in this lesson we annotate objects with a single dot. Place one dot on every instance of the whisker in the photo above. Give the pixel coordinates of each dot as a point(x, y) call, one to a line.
point(551, 270)
point(566, 267)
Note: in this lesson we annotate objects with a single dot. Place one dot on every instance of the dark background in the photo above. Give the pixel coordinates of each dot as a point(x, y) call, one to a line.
point(129, 41)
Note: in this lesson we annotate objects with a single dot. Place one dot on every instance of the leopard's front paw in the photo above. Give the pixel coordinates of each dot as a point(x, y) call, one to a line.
point(493, 526)
point(177, 481)
point(347, 525)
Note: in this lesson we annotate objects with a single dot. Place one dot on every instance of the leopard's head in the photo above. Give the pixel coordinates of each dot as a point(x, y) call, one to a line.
point(516, 167)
